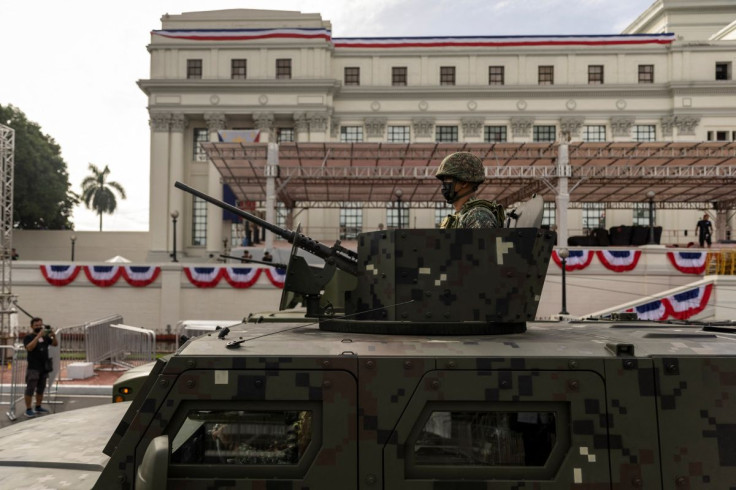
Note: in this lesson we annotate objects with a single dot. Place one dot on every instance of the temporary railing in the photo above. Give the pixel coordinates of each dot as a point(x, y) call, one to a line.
point(10, 371)
point(133, 345)
point(98, 344)
point(724, 263)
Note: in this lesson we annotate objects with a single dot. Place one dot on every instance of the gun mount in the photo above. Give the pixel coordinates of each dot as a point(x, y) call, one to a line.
point(417, 281)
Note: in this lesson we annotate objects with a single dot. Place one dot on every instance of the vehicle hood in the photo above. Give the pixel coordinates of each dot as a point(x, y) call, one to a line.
point(58, 451)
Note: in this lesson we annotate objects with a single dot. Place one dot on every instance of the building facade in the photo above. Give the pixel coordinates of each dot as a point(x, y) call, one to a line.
point(667, 78)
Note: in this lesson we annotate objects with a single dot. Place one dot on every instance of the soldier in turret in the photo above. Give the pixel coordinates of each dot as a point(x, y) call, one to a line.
point(461, 173)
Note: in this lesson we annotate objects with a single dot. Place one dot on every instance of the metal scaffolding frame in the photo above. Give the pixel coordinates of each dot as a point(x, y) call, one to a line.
point(7, 167)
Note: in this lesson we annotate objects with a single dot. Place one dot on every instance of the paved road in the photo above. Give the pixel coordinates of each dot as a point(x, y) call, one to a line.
point(58, 403)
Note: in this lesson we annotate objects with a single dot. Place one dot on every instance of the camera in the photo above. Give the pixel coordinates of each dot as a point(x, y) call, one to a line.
point(46, 329)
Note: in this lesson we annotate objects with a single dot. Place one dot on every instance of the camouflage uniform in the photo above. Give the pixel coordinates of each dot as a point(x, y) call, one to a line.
point(475, 213)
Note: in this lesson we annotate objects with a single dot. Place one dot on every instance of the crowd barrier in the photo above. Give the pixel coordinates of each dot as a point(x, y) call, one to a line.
point(131, 346)
point(13, 368)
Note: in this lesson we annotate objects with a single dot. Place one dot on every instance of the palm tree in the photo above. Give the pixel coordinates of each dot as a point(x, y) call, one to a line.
point(97, 192)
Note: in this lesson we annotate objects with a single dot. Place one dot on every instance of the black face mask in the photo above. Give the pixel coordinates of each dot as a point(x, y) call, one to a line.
point(449, 192)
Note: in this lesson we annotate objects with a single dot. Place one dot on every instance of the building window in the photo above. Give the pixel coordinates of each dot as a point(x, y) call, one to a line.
point(645, 132)
point(594, 215)
point(283, 68)
point(238, 69)
point(546, 75)
point(194, 68)
point(447, 75)
point(723, 71)
point(721, 135)
point(398, 76)
point(351, 221)
point(641, 214)
point(392, 215)
point(494, 134)
point(441, 211)
point(352, 75)
point(595, 74)
point(201, 135)
point(351, 134)
point(495, 75)
point(549, 214)
point(544, 133)
point(446, 134)
point(285, 135)
point(398, 134)
point(199, 222)
point(594, 133)
point(646, 73)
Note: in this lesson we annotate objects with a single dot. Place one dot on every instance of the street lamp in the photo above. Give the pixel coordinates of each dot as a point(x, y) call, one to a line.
point(650, 195)
point(564, 253)
point(399, 193)
point(174, 216)
point(73, 238)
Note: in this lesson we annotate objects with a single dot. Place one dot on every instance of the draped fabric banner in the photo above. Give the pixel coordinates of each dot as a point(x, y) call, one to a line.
point(619, 260)
point(680, 306)
point(276, 276)
point(140, 275)
point(60, 275)
point(103, 275)
point(578, 259)
point(689, 262)
point(241, 277)
point(204, 277)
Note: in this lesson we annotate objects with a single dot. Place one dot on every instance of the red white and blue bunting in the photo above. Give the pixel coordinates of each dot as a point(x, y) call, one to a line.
point(60, 275)
point(241, 277)
point(680, 306)
point(689, 262)
point(276, 276)
point(304, 33)
point(140, 275)
point(204, 277)
point(103, 275)
point(578, 259)
point(619, 260)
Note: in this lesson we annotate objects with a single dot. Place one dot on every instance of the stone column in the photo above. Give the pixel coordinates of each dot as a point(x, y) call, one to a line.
point(521, 129)
point(264, 123)
point(472, 129)
point(375, 129)
point(571, 126)
point(686, 127)
point(621, 128)
point(317, 126)
point(215, 122)
point(158, 217)
point(667, 123)
point(423, 130)
point(176, 173)
point(301, 127)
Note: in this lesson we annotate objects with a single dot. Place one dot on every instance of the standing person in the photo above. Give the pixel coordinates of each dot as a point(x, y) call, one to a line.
point(461, 173)
point(39, 364)
point(704, 229)
point(267, 257)
point(246, 257)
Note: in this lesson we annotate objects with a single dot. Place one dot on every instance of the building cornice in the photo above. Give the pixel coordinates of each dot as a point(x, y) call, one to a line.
point(152, 86)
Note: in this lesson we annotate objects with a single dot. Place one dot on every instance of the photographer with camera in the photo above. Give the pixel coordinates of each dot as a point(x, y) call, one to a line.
point(39, 364)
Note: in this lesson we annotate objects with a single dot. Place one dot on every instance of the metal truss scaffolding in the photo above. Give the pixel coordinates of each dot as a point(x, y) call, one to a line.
point(7, 150)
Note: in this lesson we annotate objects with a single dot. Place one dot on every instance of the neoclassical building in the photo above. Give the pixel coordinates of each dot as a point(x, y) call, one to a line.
point(668, 78)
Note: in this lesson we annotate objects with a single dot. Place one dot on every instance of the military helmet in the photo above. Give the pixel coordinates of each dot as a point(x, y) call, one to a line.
point(462, 166)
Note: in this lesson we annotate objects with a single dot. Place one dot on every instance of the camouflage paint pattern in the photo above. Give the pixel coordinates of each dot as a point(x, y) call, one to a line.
point(462, 165)
point(475, 213)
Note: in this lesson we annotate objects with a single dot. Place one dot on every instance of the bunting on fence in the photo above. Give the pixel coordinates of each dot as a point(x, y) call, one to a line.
point(619, 260)
point(241, 277)
point(578, 259)
point(689, 262)
point(140, 275)
point(276, 276)
point(103, 275)
point(204, 277)
point(680, 306)
point(59, 275)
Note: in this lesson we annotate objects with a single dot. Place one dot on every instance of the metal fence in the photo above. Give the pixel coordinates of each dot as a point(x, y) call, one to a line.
point(131, 346)
point(10, 371)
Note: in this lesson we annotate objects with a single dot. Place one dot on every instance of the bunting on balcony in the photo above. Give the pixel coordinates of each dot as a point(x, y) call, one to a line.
point(655, 311)
point(680, 306)
point(60, 275)
point(241, 277)
point(276, 276)
point(204, 277)
point(619, 260)
point(140, 275)
point(689, 262)
point(578, 259)
point(103, 275)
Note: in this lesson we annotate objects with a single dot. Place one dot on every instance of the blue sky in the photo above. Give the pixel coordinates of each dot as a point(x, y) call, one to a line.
point(72, 66)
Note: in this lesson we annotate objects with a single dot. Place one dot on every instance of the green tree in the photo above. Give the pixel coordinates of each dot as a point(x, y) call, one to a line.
point(97, 192)
point(42, 194)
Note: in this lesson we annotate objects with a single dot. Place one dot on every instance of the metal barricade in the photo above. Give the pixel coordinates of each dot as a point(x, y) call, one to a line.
point(134, 346)
point(100, 349)
point(8, 373)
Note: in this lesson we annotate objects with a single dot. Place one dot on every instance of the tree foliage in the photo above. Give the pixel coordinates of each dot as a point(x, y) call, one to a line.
point(97, 192)
point(42, 198)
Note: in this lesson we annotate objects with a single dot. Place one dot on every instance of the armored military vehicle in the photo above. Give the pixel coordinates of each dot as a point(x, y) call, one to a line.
point(416, 364)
